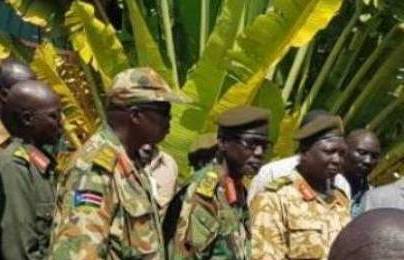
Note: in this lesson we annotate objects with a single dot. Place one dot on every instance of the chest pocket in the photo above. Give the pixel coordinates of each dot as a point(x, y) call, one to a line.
point(138, 216)
point(203, 228)
point(305, 239)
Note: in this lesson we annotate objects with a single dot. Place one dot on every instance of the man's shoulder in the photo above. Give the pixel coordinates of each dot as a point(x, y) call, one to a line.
point(204, 182)
point(386, 192)
point(97, 151)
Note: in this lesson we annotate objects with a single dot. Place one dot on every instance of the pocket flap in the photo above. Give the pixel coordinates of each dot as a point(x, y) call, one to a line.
point(203, 228)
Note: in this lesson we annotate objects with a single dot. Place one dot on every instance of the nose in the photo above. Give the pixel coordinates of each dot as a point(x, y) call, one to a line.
point(367, 159)
point(337, 159)
point(259, 150)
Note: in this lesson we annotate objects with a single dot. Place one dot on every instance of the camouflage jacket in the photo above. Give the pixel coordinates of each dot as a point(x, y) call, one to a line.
point(289, 220)
point(209, 226)
point(27, 201)
point(104, 209)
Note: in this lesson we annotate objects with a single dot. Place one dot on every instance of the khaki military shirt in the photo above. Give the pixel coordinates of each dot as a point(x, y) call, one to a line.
point(163, 173)
point(104, 209)
point(27, 201)
point(290, 221)
point(210, 227)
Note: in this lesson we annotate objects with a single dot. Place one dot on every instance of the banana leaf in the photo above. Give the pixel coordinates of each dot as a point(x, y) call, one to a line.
point(45, 64)
point(5, 46)
point(203, 84)
point(147, 49)
point(37, 12)
point(390, 167)
point(289, 24)
point(95, 41)
point(375, 94)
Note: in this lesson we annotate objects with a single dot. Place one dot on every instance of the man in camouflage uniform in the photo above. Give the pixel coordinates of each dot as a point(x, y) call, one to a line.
point(104, 206)
point(11, 72)
point(214, 216)
point(31, 112)
point(299, 215)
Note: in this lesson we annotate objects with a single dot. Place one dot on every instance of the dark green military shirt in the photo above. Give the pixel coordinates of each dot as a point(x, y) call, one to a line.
point(26, 201)
point(209, 226)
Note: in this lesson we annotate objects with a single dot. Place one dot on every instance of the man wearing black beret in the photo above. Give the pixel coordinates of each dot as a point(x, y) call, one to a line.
point(299, 215)
point(214, 215)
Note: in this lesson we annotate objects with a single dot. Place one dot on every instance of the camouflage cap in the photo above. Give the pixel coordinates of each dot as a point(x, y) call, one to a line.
point(321, 125)
point(138, 85)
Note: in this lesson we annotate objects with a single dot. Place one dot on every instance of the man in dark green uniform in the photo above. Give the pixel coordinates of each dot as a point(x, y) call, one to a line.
point(214, 216)
point(31, 113)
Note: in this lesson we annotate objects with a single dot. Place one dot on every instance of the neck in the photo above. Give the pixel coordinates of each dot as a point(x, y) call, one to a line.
point(322, 186)
point(130, 143)
point(357, 183)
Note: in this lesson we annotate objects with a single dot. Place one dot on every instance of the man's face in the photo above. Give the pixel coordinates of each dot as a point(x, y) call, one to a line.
point(244, 153)
point(324, 159)
point(46, 125)
point(363, 155)
point(156, 121)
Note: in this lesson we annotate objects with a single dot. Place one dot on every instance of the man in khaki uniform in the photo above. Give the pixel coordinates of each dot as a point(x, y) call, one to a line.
point(11, 72)
point(105, 208)
point(299, 215)
point(213, 222)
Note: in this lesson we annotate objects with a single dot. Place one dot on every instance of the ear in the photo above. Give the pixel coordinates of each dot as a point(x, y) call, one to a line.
point(27, 118)
point(3, 94)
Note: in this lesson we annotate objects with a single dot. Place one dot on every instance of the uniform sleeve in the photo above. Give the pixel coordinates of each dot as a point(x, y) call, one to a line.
point(84, 215)
point(267, 228)
point(18, 240)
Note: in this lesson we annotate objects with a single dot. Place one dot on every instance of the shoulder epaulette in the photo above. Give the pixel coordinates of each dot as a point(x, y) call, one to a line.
point(21, 153)
point(278, 183)
point(207, 185)
point(106, 158)
point(40, 160)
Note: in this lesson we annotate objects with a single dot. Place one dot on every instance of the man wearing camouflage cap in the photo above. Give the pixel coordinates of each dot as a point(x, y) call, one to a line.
point(299, 215)
point(105, 210)
point(214, 215)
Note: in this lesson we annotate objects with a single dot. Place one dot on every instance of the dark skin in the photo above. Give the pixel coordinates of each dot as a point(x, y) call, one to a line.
point(32, 112)
point(244, 154)
point(376, 234)
point(143, 124)
point(320, 162)
point(11, 72)
point(362, 156)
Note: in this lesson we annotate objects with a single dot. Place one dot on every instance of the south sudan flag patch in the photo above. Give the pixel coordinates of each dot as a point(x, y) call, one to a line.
point(88, 198)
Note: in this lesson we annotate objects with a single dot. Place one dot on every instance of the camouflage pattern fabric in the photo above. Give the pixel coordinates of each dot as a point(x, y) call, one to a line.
point(290, 221)
point(103, 207)
point(210, 228)
point(27, 201)
point(137, 85)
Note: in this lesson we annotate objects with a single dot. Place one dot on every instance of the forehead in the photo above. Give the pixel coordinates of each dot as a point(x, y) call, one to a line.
point(334, 142)
point(365, 142)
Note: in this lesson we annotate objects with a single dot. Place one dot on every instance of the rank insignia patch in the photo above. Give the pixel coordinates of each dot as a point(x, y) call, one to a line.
point(87, 198)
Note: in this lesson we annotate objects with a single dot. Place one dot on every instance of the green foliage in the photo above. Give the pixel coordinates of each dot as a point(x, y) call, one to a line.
point(263, 52)
point(95, 41)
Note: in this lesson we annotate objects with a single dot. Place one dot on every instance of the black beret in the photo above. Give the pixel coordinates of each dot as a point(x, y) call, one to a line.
point(243, 115)
point(323, 124)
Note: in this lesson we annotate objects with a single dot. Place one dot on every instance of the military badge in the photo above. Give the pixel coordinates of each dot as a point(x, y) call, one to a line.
point(87, 198)
point(208, 184)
